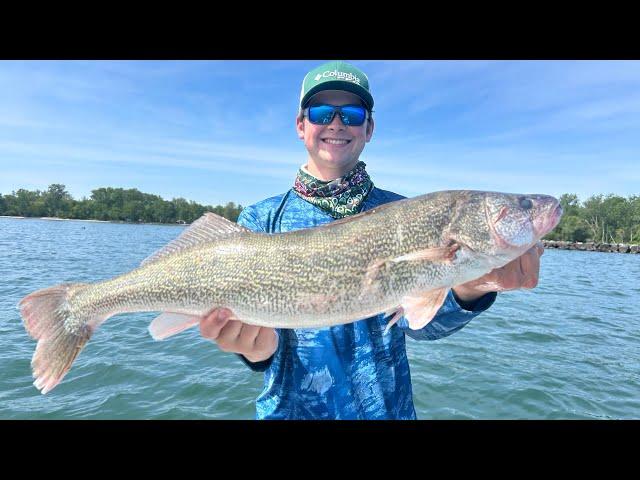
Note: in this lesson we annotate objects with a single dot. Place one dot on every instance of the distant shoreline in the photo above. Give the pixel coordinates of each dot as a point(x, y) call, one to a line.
point(552, 244)
point(57, 219)
point(592, 246)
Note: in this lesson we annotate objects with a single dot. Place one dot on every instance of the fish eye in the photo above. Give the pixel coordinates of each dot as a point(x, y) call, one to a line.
point(526, 203)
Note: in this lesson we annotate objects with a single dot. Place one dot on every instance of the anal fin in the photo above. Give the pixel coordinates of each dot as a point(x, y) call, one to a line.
point(168, 324)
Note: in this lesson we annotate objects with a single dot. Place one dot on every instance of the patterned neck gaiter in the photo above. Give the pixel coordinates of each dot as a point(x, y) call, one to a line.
point(340, 197)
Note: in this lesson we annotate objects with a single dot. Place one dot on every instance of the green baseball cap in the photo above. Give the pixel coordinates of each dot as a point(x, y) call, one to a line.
point(336, 75)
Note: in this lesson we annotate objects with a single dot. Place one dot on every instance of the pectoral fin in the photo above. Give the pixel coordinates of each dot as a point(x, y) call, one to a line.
point(170, 323)
point(377, 267)
point(420, 310)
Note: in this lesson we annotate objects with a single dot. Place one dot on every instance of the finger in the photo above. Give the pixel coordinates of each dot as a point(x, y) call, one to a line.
point(510, 276)
point(247, 337)
point(530, 267)
point(217, 315)
point(215, 321)
point(228, 338)
point(485, 283)
point(266, 341)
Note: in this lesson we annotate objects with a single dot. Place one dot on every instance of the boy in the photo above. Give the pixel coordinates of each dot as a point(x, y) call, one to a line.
point(348, 371)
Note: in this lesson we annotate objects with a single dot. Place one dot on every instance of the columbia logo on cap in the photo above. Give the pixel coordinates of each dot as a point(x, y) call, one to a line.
point(348, 76)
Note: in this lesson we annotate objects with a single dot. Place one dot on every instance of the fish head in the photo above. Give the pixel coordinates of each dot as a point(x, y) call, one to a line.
point(517, 222)
point(504, 225)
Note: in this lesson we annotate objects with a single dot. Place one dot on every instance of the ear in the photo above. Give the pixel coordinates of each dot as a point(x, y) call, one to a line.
point(370, 126)
point(300, 126)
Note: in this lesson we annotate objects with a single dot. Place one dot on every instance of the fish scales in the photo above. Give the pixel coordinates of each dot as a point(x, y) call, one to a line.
point(310, 278)
point(405, 254)
point(305, 278)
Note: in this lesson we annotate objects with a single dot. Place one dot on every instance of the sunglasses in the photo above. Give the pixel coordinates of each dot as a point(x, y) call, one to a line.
point(351, 115)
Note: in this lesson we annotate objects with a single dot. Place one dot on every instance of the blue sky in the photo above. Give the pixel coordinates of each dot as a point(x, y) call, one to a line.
point(219, 131)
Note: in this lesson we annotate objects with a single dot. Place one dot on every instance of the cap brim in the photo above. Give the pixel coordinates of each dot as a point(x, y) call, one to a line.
point(339, 85)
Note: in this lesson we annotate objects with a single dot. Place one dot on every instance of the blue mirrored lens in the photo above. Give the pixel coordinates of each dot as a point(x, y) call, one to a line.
point(321, 114)
point(351, 115)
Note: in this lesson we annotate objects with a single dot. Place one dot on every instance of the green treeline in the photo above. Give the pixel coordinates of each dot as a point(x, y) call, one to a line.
point(115, 204)
point(600, 218)
point(605, 219)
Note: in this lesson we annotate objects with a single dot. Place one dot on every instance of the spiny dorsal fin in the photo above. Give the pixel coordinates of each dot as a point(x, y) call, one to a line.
point(208, 228)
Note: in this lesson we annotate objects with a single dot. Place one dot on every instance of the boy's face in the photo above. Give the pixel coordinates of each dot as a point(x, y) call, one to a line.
point(334, 146)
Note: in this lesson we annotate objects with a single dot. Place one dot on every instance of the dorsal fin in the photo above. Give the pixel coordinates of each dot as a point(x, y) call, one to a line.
point(208, 228)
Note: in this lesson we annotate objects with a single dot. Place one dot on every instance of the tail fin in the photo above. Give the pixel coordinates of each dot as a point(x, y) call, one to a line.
point(45, 314)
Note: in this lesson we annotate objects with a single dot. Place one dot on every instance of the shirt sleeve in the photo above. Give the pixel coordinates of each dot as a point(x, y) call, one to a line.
point(248, 220)
point(451, 317)
point(257, 366)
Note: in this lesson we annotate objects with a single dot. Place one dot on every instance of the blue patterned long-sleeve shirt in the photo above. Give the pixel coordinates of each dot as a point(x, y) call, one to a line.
point(349, 371)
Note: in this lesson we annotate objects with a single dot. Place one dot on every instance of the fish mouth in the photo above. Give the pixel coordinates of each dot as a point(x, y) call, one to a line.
point(549, 222)
point(556, 216)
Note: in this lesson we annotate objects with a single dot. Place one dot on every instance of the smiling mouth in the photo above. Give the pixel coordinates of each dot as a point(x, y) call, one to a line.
point(335, 141)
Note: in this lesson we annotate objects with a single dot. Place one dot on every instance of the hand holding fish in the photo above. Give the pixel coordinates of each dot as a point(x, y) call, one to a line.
point(232, 335)
point(521, 272)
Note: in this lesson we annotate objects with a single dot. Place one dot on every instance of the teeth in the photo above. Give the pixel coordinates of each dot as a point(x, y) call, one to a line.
point(336, 142)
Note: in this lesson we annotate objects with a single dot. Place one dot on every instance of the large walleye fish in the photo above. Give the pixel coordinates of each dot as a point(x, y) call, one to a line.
point(401, 257)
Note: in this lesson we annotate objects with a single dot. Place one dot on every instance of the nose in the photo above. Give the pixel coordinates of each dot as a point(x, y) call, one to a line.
point(336, 123)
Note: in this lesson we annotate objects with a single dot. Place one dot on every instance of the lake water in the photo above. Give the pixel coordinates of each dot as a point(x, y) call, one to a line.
point(569, 349)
